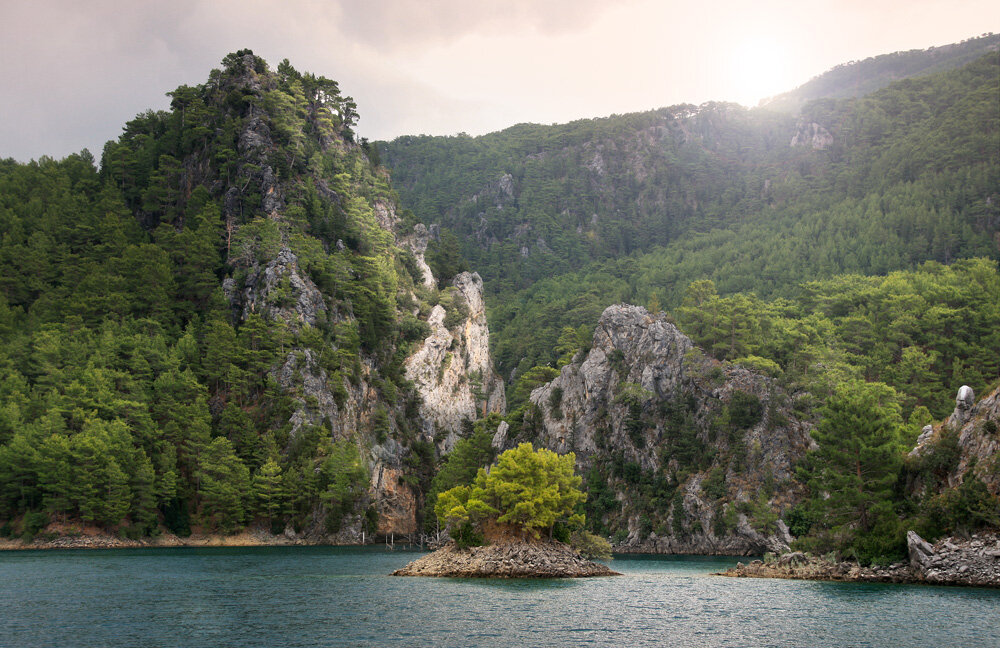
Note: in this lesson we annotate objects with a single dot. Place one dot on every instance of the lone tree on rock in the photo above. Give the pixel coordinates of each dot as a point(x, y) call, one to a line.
point(530, 490)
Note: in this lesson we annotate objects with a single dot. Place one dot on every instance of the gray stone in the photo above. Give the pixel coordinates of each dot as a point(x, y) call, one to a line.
point(633, 346)
point(453, 369)
point(964, 402)
point(920, 551)
point(500, 438)
point(282, 291)
point(813, 135)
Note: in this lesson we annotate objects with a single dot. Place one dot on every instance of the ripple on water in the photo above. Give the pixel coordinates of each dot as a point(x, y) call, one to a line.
point(321, 596)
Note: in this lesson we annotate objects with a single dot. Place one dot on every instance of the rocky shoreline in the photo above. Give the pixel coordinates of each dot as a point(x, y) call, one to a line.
point(512, 559)
point(951, 561)
point(89, 538)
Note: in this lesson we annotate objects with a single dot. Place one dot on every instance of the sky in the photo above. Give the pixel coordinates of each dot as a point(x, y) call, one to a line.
point(73, 72)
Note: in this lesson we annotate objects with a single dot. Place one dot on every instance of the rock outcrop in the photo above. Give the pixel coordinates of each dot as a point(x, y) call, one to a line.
point(977, 426)
point(813, 135)
point(511, 559)
point(453, 368)
point(417, 243)
point(951, 561)
point(644, 405)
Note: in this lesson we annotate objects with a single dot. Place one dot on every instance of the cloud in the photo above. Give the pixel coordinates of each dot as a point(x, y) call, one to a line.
point(398, 24)
point(74, 72)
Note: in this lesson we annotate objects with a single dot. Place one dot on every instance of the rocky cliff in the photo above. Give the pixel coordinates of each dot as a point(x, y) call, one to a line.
point(966, 444)
point(317, 258)
point(453, 369)
point(696, 455)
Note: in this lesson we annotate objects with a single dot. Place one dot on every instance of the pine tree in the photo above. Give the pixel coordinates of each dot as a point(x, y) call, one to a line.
point(857, 466)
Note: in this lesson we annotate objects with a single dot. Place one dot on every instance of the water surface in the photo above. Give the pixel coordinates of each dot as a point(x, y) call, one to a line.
point(331, 596)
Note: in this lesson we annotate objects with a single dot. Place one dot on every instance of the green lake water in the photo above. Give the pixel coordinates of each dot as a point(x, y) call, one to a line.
point(325, 596)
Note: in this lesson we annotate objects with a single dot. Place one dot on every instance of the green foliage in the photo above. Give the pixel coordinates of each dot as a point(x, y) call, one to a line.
point(223, 483)
point(116, 333)
point(590, 546)
point(527, 382)
point(467, 535)
point(855, 470)
point(445, 258)
point(342, 481)
point(528, 489)
point(744, 410)
point(714, 485)
point(725, 520)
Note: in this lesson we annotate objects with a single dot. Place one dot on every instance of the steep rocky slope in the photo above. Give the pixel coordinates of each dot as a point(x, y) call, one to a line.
point(453, 369)
point(232, 300)
point(696, 456)
point(964, 446)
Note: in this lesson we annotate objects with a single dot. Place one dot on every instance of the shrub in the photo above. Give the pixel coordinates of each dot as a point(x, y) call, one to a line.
point(590, 546)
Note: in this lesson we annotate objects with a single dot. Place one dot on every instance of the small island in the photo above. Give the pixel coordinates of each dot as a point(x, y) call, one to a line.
point(517, 520)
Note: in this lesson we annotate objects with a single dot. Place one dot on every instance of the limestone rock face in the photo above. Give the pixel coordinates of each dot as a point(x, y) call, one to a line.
point(397, 502)
point(645, 396)
point(453, 368)
point(978, 427)
point(964, 401)
point(417, 243)
point(280, 290)
point(813, 135)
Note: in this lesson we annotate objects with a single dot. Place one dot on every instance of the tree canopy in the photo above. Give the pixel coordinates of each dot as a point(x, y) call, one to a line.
point(529, 489)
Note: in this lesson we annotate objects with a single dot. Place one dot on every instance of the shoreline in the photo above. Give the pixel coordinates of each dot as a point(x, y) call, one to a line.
point(96, 539)
point(972, 562)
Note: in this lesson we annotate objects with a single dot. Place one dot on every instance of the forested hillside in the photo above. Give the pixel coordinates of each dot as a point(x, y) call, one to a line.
point(858, 78)
point(206, 330)
point(234, 320)
point(753, 201)
point(848, 254)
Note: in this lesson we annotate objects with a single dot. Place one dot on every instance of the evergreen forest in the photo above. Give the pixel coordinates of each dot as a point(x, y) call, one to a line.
point(207, 329)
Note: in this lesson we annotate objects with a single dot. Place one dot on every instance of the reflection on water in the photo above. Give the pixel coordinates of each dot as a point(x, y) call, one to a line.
point(324, 596)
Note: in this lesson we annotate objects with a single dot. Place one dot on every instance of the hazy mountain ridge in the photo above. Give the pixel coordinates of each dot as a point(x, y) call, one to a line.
point(905, 175)
point(858, 78)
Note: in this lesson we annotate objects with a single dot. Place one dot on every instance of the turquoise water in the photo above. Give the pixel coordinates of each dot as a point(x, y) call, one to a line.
point(323, 596)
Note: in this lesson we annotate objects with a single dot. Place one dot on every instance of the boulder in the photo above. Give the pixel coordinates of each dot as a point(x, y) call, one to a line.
point(964, 402)
point(921, 552)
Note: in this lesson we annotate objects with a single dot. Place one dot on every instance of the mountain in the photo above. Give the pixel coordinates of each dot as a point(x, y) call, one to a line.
point(858, 78)
point(683, 454)
point(845, 257)
point(228, 323)
point(562, 221)
point(235, 322)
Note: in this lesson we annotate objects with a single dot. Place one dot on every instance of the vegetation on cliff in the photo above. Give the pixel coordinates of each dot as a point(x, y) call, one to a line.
point(563, 221)
point(210, 328)
point(853, 242)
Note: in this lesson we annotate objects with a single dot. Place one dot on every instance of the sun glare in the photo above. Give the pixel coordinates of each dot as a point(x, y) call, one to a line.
point(759, 70)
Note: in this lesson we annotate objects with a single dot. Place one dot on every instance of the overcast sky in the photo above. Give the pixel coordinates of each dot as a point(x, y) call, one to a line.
point(72, 72)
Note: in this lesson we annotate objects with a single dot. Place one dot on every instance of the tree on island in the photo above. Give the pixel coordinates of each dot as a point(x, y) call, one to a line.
point(531, 492)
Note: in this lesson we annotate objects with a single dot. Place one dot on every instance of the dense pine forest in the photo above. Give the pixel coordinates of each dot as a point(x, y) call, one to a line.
point(565, 220)
point(851, 243)
point(146, 303)
point(211, 327)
